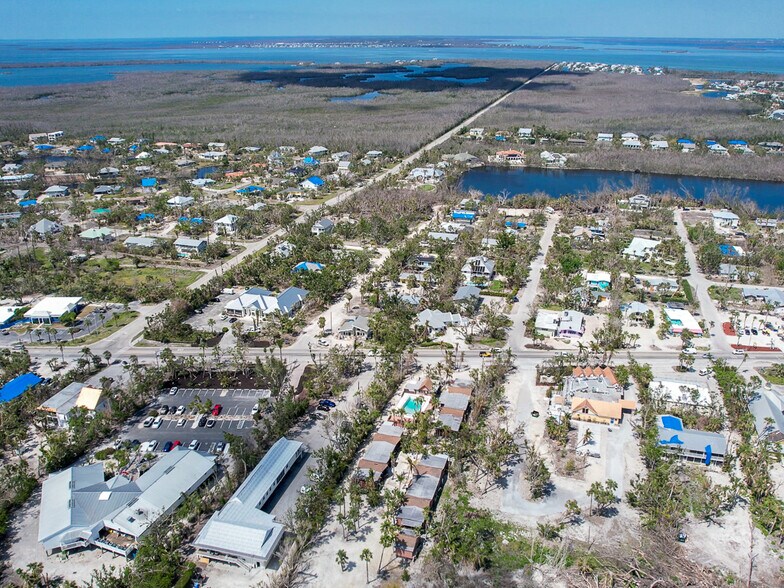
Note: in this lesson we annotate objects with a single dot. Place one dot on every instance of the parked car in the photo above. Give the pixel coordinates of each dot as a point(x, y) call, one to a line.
point(216, 410)
point(738, 352)
point(180, 410)
point(754, 332)
point(173, 391)
point(181, 422)
point(210, 423)
point(323, 407)
point(163, 410)
point(194, 445)
point(328, 403)
point(176, 444)
point(151, 446)
point(156, 424)
point(690, 351)
point(255, 410)
point(485, 354)
point(148, 422)
point(167, 446)
point(220, 447)
point(323, 342)
point(203, 420)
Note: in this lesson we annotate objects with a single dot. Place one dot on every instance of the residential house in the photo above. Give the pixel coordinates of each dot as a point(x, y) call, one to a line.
point(357, 327)
point(259, 303)
point(180, 201)
point(681, 394)
point(468, 293)
point(525, 133)
point(453, 405)
point(630, 137)
point(604, 137)
point(682, 320)
point(376, 460)
point(725, 219)
point(593, 410)
point(57, 191)
point(437, 321)
point(686, 145)
point(766, 223)
point(313, 183)
point(640, 248)
point(226, 225)
point(45, 227)
point(187, 247)
point(307, 266)
point(478, 268)
point(509, 156)
point(99, 235)
point(52, 308)
point(389, 432)
point(636, 311)
point(322, 227)
point(656, 284)
point(767, 408)
point(599, 280)
point(772, 296)
point(568, 323)
point(633, 144)
point(75, 396)
point(140, 242)
point(284, 249)
point(659, 145)
point(476, 133)
point(315, 150)
point(551, 159)
point(425, 174)
point(640, 202)
point(419, 385)
point(690, 444)
point(106, 190)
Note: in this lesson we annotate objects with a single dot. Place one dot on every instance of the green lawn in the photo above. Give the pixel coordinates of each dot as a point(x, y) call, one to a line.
point(112, 325)
point(130, 276)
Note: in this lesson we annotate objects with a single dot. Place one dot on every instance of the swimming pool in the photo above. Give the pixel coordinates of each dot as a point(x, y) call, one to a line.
point(412, 405)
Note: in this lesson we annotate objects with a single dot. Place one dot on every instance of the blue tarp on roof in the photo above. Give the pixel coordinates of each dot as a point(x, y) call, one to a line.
point(145, 216)
point(193, 221)
point(149, 182)
point(517, 224)
point(26, 203)
point(85, 148)
point(728, 250)
point(463, 214)
point(310, 161)
point(315, 180)
point(98, 138)
point(18, 386)
point(671, 422)
point(308, 266)
point(709, 143)
point(684, 140)
point(106, 150)
point(737, 142)
point(43, 147)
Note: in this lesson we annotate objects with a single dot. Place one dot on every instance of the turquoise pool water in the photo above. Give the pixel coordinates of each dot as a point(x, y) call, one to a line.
point(412, 405)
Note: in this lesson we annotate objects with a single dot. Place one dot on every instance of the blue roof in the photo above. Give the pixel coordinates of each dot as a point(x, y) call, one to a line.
point(106, 150)
point(728, 250)
point(315, 180)
point(709, 142)
point(737, 142)
point(249, 189)
point(133, 148)
point(43, 147)
point(685, 140)
point(197, 221)
point(145, 216)
point(307, 266)
point(149, 182)
point(26, 203)
point(518, 224)
point(98, 138)
point(465, 214)
point(18, 386)
point(310, 161)
point(85, 148)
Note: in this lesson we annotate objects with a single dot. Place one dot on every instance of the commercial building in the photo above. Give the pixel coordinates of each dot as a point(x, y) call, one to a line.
point(80, 508)
point(52, 308)
point(76, 395)
point(241, 533)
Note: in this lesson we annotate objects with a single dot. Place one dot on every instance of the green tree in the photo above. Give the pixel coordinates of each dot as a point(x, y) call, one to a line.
point(366, 556)
point(603, 495)
point(341, 559)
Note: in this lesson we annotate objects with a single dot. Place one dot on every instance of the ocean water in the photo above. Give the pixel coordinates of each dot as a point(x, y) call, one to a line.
point(59, 62)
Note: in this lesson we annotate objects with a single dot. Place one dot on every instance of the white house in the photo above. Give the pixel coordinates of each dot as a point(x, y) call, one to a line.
point(525, 133)
point(425, 174)
point(187, 247)
point(258, 302)
point(630, 137)
point(313, 183)
point(659, 145)
point(604, 137)
point(316, 150)
point(284, 249)
point(180, 201)
point(551, 159)
point(56, 191)
point(640, 248)
point(322, 227)
point(633, 144)
point(226, 225)
point(725, 219)
point(682, 320)
point(639, 202)
point(45, 227)
point(52, 308)
point(568, 323)
point(478, 267)
point(476, 133)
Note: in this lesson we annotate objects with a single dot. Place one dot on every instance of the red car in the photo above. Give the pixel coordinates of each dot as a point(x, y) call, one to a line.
point(176, 444)
point(216, 410)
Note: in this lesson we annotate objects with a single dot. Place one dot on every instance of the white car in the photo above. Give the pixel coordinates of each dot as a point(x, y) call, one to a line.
point(173, 391)
point(323, 342)
point(148, 422)
point(255, 410)
point(180, 410)
point(156, 424)
point(305, 489)
point(738, 352)
point(690, 351)
point(194, 445)
point(181, 422)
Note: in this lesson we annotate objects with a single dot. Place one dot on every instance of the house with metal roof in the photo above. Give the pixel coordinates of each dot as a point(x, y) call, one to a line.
point(640, 248)
point(725, 219)
point(772, 296)
point(259, 302)
point(438, 321)
point(322, 226)
point(45, 227)
point(357, 327)
point(79, 508)
point(241, 533)
point(101, 234)
point(180, 201)
point(187, 247)
point(767, 408)
point(690, 444)
point(76, 395)
point(52, 308)
point(479, 267)
point(226, 225)
point(140, 242)
point(567, 323)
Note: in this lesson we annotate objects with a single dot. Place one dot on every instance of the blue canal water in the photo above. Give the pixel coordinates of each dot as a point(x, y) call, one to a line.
point(101, 60)
point(361, 98)
point(203, 172)
point(557, 183)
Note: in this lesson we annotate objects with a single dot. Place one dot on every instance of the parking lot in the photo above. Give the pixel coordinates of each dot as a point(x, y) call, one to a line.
point(235, 417)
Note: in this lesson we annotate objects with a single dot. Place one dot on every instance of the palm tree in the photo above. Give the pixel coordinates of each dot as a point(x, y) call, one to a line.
point(366, 556)
point(341, 559)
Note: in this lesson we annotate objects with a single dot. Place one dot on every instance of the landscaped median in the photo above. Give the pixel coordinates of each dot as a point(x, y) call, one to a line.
point(112, 325)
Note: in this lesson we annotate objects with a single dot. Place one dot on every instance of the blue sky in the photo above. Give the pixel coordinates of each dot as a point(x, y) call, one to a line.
point(77, 19)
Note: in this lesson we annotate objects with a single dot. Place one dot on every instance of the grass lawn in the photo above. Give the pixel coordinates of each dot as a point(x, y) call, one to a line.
point(496, 286)
point(112, 325)
point(427, 187)
point(773, 374)
point(727, 293)
point(130, 276)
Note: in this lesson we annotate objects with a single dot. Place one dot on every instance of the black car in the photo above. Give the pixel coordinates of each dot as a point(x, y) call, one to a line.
point(167, 446)
point(220, 447)
point(323, 407)
point(203, 420)
point(328, 403)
